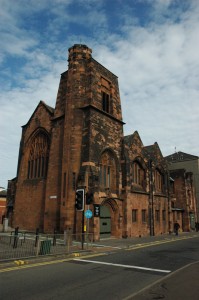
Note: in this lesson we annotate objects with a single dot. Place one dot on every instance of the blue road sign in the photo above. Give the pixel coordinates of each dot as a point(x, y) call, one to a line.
point(88, 214)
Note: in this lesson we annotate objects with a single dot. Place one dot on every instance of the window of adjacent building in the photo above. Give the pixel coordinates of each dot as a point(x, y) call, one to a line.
point(38, 156)
point(138, 173)
point(134, 215)
point(143, 215)
point(158, 181)
point(107, 171)
point(157, 215)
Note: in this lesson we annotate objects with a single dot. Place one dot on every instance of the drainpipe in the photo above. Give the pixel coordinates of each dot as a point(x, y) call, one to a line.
point(169, 202)
point(151, 199)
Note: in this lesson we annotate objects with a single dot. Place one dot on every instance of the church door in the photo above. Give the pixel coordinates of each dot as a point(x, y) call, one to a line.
point(105, 221)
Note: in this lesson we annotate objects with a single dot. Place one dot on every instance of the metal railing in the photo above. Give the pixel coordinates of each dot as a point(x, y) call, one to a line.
point(27, 244)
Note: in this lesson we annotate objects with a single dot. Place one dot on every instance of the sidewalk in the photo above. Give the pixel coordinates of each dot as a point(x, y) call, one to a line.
point(180, 285)
point(114, 243)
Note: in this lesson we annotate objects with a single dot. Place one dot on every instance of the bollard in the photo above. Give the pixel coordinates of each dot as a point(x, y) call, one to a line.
point(37, 237)
point(16, 237)
point(54, 238)
point(65, 237)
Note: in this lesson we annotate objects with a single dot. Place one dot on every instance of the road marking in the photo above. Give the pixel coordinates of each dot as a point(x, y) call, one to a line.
point(123, 266)
point(38, 264)
point(106, 246)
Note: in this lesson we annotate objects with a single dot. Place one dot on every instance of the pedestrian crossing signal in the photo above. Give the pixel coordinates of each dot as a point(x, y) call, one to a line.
point(79, 199)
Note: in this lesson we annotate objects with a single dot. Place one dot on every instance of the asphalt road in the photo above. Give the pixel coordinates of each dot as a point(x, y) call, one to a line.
point(111, 276)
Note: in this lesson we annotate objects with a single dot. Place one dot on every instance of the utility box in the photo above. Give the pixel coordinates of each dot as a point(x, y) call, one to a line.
point(45, 247)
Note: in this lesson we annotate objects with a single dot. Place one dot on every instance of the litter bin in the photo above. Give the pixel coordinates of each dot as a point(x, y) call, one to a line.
point(45, 247)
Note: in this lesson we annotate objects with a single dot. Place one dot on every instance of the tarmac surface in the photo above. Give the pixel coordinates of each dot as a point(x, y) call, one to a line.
point(182, 284)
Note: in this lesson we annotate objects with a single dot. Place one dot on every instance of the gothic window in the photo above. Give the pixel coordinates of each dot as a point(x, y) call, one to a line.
point(158, 181)
point(107, 168)
point(38, 156)
point(138, 173)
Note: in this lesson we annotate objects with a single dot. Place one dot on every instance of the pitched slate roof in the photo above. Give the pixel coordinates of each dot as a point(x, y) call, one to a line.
point(3, 193)
point(180, 156)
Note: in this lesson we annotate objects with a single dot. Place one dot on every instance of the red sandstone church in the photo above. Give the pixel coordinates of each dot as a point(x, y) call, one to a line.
point(80, 144)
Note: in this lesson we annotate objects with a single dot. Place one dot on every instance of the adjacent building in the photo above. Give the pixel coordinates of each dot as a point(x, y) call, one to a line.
point(184, 169)
point(183, 200)
point(3, 194)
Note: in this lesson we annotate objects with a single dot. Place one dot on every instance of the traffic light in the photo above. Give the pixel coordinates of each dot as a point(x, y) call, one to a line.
point(79, 199)
point(89, 198)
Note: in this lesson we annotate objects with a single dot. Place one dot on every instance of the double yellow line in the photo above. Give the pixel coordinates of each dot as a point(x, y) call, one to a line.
point(21, 265)
point(159, 242)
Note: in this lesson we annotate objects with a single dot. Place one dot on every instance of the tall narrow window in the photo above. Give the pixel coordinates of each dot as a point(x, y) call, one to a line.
point(138, 174)
point(105, 102)
point(38, 156)
point(106, 95)
point(143, 215)
point(157, 215)
point(107, 171)
point(164, 215)
point(158, 181)
point(134, 215)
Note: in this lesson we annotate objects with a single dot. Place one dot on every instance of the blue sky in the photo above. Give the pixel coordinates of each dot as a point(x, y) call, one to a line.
point(151, 45)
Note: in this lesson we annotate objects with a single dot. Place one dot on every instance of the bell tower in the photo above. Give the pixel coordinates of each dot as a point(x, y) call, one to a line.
point(88, 101)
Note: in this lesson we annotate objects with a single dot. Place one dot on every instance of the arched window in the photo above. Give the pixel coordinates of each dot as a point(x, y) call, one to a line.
point(138, 173)
point(107, 170)
point(38, 156)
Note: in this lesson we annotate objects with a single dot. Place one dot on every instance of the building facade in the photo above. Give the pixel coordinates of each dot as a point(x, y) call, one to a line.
point(189, 166)
point(3, 194)
point(80, 144)
point(183, 200)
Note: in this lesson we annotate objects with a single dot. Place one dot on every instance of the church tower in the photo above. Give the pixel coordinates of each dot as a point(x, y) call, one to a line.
point(89, 109)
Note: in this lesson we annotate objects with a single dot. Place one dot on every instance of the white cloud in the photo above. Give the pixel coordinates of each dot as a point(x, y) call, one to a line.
point(157, 66)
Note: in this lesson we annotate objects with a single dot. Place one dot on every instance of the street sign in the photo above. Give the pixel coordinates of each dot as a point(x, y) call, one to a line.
point(96, 210)
point(88, 214)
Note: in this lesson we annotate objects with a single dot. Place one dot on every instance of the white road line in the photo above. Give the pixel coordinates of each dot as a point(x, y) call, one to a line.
point(123, 266)
point(106, 246)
